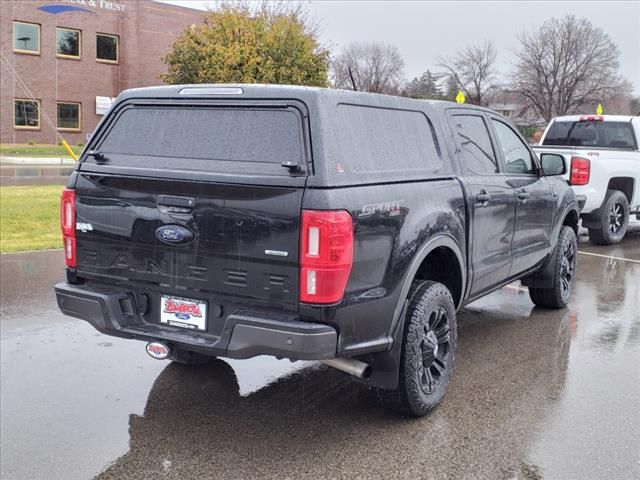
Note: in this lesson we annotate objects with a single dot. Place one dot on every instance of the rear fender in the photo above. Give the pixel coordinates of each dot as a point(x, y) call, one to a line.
point(386, 365)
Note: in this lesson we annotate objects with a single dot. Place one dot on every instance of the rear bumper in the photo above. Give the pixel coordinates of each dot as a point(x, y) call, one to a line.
point(245, 334)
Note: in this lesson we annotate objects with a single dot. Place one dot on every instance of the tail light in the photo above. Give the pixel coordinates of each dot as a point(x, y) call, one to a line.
point(68, 225)
point(326, 255)
point(580, 171)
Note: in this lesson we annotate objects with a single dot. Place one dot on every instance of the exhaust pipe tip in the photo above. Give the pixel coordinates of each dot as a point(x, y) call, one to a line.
point(351, 366)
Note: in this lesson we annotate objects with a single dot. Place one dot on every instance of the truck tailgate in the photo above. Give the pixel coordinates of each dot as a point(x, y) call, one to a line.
point(236, 230)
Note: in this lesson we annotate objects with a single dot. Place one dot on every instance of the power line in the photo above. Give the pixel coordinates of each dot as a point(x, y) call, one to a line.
point(23, 85)
point(43, 114)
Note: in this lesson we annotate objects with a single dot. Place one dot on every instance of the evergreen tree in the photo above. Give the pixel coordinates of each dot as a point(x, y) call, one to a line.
point(424, 86)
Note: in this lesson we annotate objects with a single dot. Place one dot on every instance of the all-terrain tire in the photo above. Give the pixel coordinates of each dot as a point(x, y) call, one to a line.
point(615, 219)
point(425, 370)
point(564, 262)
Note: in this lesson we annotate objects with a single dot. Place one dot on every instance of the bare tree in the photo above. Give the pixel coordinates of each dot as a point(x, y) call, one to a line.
point(565, 64)
point(634, 106)
point(375, 67)
point(473, 70)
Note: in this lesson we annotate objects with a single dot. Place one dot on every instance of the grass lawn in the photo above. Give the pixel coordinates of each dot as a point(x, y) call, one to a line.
point(24, 150)
point(30, 218)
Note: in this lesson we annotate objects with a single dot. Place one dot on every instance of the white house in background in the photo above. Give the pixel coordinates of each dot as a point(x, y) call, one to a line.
point(518, 114)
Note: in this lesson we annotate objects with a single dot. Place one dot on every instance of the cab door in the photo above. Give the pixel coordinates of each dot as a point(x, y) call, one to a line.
point(535, 202)
point(491, 200)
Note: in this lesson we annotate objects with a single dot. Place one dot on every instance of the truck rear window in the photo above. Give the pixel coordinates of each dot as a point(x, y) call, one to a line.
point(207, 138)
point(591, 133)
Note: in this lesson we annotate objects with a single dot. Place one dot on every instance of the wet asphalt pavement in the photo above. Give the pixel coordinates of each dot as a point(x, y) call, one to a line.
point(536, 395)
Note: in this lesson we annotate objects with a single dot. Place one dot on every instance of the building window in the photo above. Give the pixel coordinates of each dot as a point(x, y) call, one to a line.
point(67, 43)
point(107, 48)
point(68, 117)
point(26, 114)
point(26, 38)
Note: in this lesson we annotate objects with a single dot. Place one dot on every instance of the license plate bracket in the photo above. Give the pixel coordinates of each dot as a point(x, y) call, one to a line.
point(187, 313)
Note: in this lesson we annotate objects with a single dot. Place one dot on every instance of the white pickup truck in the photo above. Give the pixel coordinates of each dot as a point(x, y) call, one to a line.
point(603, 161)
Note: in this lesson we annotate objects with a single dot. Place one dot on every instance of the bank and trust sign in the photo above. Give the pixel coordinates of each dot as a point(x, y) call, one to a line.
point(83, 6)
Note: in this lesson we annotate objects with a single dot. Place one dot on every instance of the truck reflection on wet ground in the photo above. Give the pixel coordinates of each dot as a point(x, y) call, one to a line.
point(317, 423)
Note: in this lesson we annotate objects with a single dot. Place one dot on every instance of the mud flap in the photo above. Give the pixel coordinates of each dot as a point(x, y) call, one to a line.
point(385, 370)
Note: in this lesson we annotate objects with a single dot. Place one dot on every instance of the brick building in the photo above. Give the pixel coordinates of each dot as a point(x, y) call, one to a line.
point(63, 61)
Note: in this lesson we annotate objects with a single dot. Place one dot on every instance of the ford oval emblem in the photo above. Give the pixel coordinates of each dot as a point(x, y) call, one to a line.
point(174, 234)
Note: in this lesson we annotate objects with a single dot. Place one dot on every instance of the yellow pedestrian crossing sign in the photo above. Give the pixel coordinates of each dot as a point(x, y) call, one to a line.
point(599, 110)
point(460, 98)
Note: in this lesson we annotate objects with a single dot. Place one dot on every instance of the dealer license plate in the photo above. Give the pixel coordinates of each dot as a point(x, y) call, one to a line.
point(183, 312)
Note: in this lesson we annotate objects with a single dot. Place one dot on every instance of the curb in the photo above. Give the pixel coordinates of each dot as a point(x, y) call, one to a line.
point(33, 251)
point(37, 160)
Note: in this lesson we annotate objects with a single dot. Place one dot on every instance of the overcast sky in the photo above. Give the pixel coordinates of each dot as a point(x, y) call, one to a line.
point(424, 30)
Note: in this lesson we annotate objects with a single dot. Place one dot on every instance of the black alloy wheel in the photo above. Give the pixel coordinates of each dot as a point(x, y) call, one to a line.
point(436, 348)
point(562, 272)
point(567, 268)
point(616, 217)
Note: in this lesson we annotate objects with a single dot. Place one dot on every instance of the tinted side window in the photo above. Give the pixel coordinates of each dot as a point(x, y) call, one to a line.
point(382, 142)
point(478, 157)
point(517, 156)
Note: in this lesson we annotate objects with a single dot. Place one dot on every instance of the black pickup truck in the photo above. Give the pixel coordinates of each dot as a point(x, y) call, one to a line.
point(304, 223)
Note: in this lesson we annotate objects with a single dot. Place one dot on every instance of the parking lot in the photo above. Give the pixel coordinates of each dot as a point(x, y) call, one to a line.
point(536, 394)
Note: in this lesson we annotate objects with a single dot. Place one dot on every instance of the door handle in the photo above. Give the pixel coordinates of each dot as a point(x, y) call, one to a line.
point(175, 204)
point(523, 195)
point(175, 201)
point(483, 197)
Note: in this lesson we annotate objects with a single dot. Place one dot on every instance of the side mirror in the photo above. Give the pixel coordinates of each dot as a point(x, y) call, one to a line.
point(552, 164)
